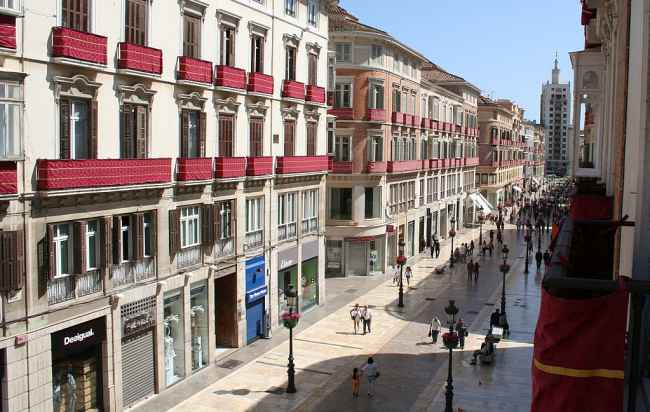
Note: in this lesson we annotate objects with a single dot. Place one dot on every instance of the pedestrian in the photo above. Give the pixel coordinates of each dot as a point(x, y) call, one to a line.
point(495, 318)
point(462, 332)
point(356, 383)
point(491, 248)
point(408, 275)
point(538, 258)
point(499, 238)
point(432, 249)
point(470, 270)
point(547, 260)
point(396, 276)
point(355, 314)
point(476, 269)
point(434, 329)
point(471, 247)
point(437, 245)
point(491, 235)
point(372, 373)
point(366, 316)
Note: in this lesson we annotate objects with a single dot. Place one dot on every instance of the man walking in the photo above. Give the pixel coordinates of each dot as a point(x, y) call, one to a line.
point(437, 245)
point(538, 259)
point(366, 315)
point(372, 373)
point(470, 270)
point(476, 268)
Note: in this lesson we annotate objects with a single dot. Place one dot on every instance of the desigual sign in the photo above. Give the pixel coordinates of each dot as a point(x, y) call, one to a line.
point(79, 337)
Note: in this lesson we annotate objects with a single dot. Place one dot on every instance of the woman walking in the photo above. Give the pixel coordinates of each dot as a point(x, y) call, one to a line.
point(408, 275)
point(434, 329)
point(355, 314)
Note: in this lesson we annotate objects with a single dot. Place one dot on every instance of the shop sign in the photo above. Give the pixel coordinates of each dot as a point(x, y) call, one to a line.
point(79, 337)
point(256, 294)
point(309, 250)
point(390, 228)
point(287, 258)
point(360, 239)
point(136, 323)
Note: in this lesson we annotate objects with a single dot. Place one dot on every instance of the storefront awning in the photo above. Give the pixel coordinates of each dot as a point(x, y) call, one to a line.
point(481, 202)
point(517, 188)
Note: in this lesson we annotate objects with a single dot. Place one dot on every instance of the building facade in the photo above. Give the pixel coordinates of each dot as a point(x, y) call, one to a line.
point(533, 137)
point(555, 116)
point(401, 165)
point(163, 184)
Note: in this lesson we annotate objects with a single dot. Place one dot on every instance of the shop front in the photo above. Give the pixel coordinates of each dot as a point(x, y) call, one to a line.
point(410, 244)
point(77, 383)
point(199, 324)
point(287, 276)
point(256, 291)
point(422, 235)
point(334, 258)
point(309, 275)
point(225, 308)
point(364, 255)
point(173, 337)
point(138, 362)
point(444, 228)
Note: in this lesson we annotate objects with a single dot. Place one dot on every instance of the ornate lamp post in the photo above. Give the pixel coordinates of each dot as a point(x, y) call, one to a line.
point(505, 267)
point(401, 260)
point(452, 234)
point(450, 339)
point(481, 219)
point(290, 320)
point(527, 238)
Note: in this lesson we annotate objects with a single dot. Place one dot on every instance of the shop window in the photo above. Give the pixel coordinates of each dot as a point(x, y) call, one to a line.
point(173, 341)
point(190, 226)
point(310, 211)
point(341, 203)
point(199, 325)
point(309, 285)
point(11, 107)
point(287, 216)
point(334, 257)
point(192, 133)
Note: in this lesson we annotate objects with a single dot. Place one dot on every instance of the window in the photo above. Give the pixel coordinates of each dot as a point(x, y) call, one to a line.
point(343, 95)
point(372, 200)
point(254, 214)
point(226, 134)
point(78, 134)
point(148, 228)
point(343, 148)
point(76, 15)
point(192, 133)
point(135, 22)
point(289, 136)
point(290, 7)
point(191, 36)
point(224, 220)
point(63, 246)
point(11, 104)
point(10, 4)
point(397, 64)
point(133, 132)
point(341, 203)
point(256, 136)
point(312, 131)
point(227, 46)
point(331, 133)
point(287, 215)
point(290, 63)
point(190, 226)
point(376, 95)
point(312, 69)
point(375, 149)
point(92, 245)
point(397, 100)
point(310, 211)
point(377, 55)
point(344, 53)
point(257, 54)
point(312, 12)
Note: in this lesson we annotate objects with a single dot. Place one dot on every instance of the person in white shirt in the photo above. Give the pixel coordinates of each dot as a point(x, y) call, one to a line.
point(435, 329)
point(366, 316)
point(372, 373)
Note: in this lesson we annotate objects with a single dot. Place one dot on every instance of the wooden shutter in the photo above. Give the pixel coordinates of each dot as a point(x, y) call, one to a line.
point(256, 136)
point(107, 242)
point(75, 14)
point(233, 219)
point(226, 129)
point(191, 36)
point(51, 248)
point(289, 130)
point(202, 128)
point(92, 132)
point(216, 221)
point(141, 132)
point(185, 129)
point(154, 233)
point(64, 133)
point(126, 132)
point(136, 22)
point(11, 261)
point(311, 138)
point(207, 235)
point(174, 231)
point(79, 247)
point(312, 75)
point(117, 240)
point(138, 236)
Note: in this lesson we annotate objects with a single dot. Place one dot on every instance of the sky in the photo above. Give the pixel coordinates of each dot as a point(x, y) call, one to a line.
point(504, 47)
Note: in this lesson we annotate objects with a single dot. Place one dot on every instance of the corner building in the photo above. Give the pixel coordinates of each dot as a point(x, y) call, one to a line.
point(162, 184)
point(403, 149)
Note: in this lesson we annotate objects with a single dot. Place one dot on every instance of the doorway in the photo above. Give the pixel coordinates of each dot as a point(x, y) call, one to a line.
point(225, 306)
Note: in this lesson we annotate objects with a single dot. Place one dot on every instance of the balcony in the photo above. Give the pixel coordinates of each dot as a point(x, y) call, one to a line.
point(341, 167)
point(189, 169)
point(254, 240)
point(293, 90)
point(76, 174)
point(408, 119)
point(131, 272)
point(259, 166)
point(403, 166)
point(287, 231)
point(417, 121)
point(61, 289)
point(229, 167)
point(425, 164)
point(8, 178)
point(377, 167)
point(341, 113)
point(7, 32)
point(78, 45)
point(435, 125)
point(139, 58)
point(301, 164)
point(472, 161)
point(189, 257)
point(230, 77)
point(260, 83)
point(494, 140)
point(426, 123)
point(310, 225)
point(224, 248)
point(194, 70)
point(397, 118)
point(315, 94)
point(376, 115)
point(434, 164)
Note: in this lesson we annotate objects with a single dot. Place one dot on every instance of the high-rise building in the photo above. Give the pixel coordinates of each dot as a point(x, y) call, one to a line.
point(555, 113)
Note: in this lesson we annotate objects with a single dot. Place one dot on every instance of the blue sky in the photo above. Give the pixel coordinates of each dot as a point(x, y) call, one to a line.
point(504, 47)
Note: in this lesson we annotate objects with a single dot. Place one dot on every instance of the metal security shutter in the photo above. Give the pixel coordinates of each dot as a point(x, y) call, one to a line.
point(137, 367)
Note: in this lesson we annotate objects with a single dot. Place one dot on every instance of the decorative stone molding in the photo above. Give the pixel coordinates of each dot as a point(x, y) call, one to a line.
point(312, 115)
point(257, 29)
point(136, 94)
point(192, 101)
point(225, 18)
point(196, 7)
point(291, 40)
point(76, 86)
point(290, 113)
point(228, 105)
point(313, 48)
point(257, 109)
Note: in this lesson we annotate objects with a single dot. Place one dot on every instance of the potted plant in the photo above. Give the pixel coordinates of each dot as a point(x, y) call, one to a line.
point(290, 319)
point(450, 339)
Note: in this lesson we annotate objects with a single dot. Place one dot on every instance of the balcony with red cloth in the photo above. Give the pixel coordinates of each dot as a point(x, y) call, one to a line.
point(195, 168)
point(435, 125)
point(403, 166)
point(7, 32)
point(301, 164)
point(230, 77)
point(76, 174)
point(408, 119)
point(341, 113)
point(494, 140)
point(377, 167)
point(78, 45)
point(398, 118)
point(259, 166)
point(435, 164)
point(260, 83)
point(343, 167)
point(426, 123)
point(425, 164)
point(139, 58)
point(194, 70)
point(8, 178)
point(293, 90)
point(416, 121)
point(376, 115)
point(229, 167)
point(315, 94)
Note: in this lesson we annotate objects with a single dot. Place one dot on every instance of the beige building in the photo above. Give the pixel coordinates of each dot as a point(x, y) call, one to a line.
point(532, 134)
point(163, 185)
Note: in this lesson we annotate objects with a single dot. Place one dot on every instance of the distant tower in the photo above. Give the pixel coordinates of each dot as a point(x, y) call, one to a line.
point(556, 72)
point(555, 112)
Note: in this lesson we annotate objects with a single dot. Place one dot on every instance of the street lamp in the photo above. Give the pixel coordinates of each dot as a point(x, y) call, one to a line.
point(452, 233)
point(481, 219)
point(527, 238)
point(539, 238)
point(290, 319)
point(505, 267)
point(450, 340)
point(401, 260)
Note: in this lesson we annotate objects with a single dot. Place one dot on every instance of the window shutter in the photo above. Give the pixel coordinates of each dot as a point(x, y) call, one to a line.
point(256, 133)
point(8, 270)
point(139, 236)
point(289, 128)
point(233, 219)
point(216, 221)
point(311, 139)
point(117, 240)
point(51, 247)
point(79, 247)
point(19, 267)
point(107, 242)
point(207, 237)
point(64, 134)
point(202, 121)
point(154, 232)
point(126, 138)
point(92, 132)
point(174, 232)
point(141, 132)
point(185, 124)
